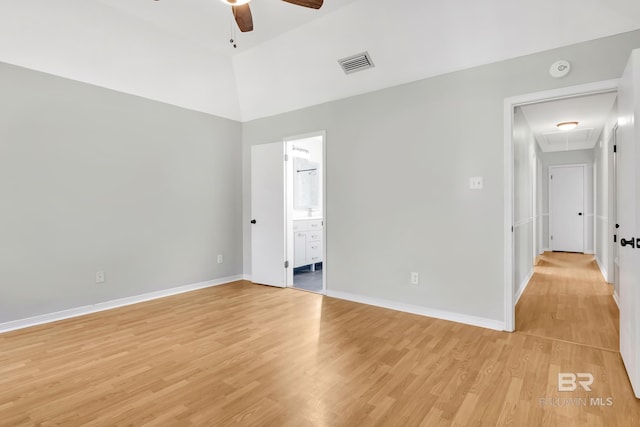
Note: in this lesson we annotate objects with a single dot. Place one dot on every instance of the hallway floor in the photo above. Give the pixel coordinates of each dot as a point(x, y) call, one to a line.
point(567, 299)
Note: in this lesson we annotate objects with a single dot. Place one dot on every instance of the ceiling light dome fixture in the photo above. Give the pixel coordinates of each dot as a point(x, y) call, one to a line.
point(235, 2)
point(567, 125)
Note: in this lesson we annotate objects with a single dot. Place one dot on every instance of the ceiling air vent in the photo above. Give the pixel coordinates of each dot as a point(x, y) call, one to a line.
point(359, 62)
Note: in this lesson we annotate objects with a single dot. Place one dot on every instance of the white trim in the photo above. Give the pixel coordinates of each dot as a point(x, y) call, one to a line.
point(422, 311)
point(509, 106)
point(509, 261)
point(523, 286)
point(616, 298)
point(108, 305)
point(287, 140)
point(544, 214)
point(247, 277)
point(324, 211)
point(603, 270)
point(594, 88)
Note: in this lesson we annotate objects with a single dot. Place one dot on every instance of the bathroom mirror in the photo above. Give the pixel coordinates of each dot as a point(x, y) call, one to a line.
point(306, 184)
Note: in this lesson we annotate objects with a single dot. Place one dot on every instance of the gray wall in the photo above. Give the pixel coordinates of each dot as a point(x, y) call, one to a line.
point(95, 179)
point(569, 158)
point(398, 165)
point(92, 179)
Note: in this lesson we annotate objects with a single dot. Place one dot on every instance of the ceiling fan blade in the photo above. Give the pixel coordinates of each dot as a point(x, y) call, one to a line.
point(313, 4)
point(243, 17)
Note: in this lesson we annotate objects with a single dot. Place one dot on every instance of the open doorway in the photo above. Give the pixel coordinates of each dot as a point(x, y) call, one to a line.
point(288, 213)
point(306, 213)
point(564, 222)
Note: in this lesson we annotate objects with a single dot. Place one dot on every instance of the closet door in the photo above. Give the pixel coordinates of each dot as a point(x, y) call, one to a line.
point(566, 208)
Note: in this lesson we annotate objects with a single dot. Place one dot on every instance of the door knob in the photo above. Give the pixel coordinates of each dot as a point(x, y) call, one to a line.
point(617, 225)
point(625, 242)
point(253, 221)
point(580, 213)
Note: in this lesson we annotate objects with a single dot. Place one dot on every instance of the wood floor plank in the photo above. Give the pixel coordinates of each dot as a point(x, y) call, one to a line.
point(245, 355)
point(568, 299)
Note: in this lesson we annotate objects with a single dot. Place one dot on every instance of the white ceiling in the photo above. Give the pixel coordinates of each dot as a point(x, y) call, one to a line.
point(178, 51)
point(591, 112)
point(209, 23)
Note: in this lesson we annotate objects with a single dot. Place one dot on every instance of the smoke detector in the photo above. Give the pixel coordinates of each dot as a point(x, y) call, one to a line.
point(560, 69)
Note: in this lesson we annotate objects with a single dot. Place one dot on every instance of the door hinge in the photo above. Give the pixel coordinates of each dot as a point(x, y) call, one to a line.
point(615, 238)
point(551, 237)
point(551, 177)
point(286, 157)
point(512, 228)
point(615, 148)
point(286, 264)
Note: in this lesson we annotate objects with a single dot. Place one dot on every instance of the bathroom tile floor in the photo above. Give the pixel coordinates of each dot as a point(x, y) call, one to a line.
point(304, 278)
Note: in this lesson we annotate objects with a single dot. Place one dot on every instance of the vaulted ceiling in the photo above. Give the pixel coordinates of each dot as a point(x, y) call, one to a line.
point(178, 51)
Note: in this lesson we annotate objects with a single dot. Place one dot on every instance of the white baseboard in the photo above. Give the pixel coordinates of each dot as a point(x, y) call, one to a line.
point(423, 311)
point(603, 270)
point(247, 277)
point(108, 305)
point(522, 287)
point(546, 250)
point(616, 298)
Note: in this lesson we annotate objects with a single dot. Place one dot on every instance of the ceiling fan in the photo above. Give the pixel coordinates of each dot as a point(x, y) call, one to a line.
point(242, 12)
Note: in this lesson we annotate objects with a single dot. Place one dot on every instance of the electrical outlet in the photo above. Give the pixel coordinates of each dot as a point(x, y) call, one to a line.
point(99, 276)
point(415, 278)
point(220, 259)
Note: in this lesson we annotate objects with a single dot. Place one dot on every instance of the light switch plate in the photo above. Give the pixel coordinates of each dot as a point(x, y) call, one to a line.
point(415, 278)
point(475, 183)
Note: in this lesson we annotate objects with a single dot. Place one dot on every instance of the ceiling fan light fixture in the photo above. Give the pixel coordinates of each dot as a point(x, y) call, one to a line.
point(235, 2)
point(567, 125)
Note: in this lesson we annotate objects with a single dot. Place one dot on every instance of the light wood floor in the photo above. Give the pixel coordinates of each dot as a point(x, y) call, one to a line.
point(243, 354)
point(568, 299)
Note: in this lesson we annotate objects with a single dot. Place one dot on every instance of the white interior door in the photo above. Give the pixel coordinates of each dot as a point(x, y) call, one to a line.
point(268, 249)
point(629, 216)
point(566, 208)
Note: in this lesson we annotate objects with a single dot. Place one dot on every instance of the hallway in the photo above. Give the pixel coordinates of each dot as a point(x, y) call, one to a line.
point(567, 299)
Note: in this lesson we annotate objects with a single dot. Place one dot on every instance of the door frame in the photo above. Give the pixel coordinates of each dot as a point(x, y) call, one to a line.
point(584, 167)
point(289, 211)
point(510, 104)
point(613, 266)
